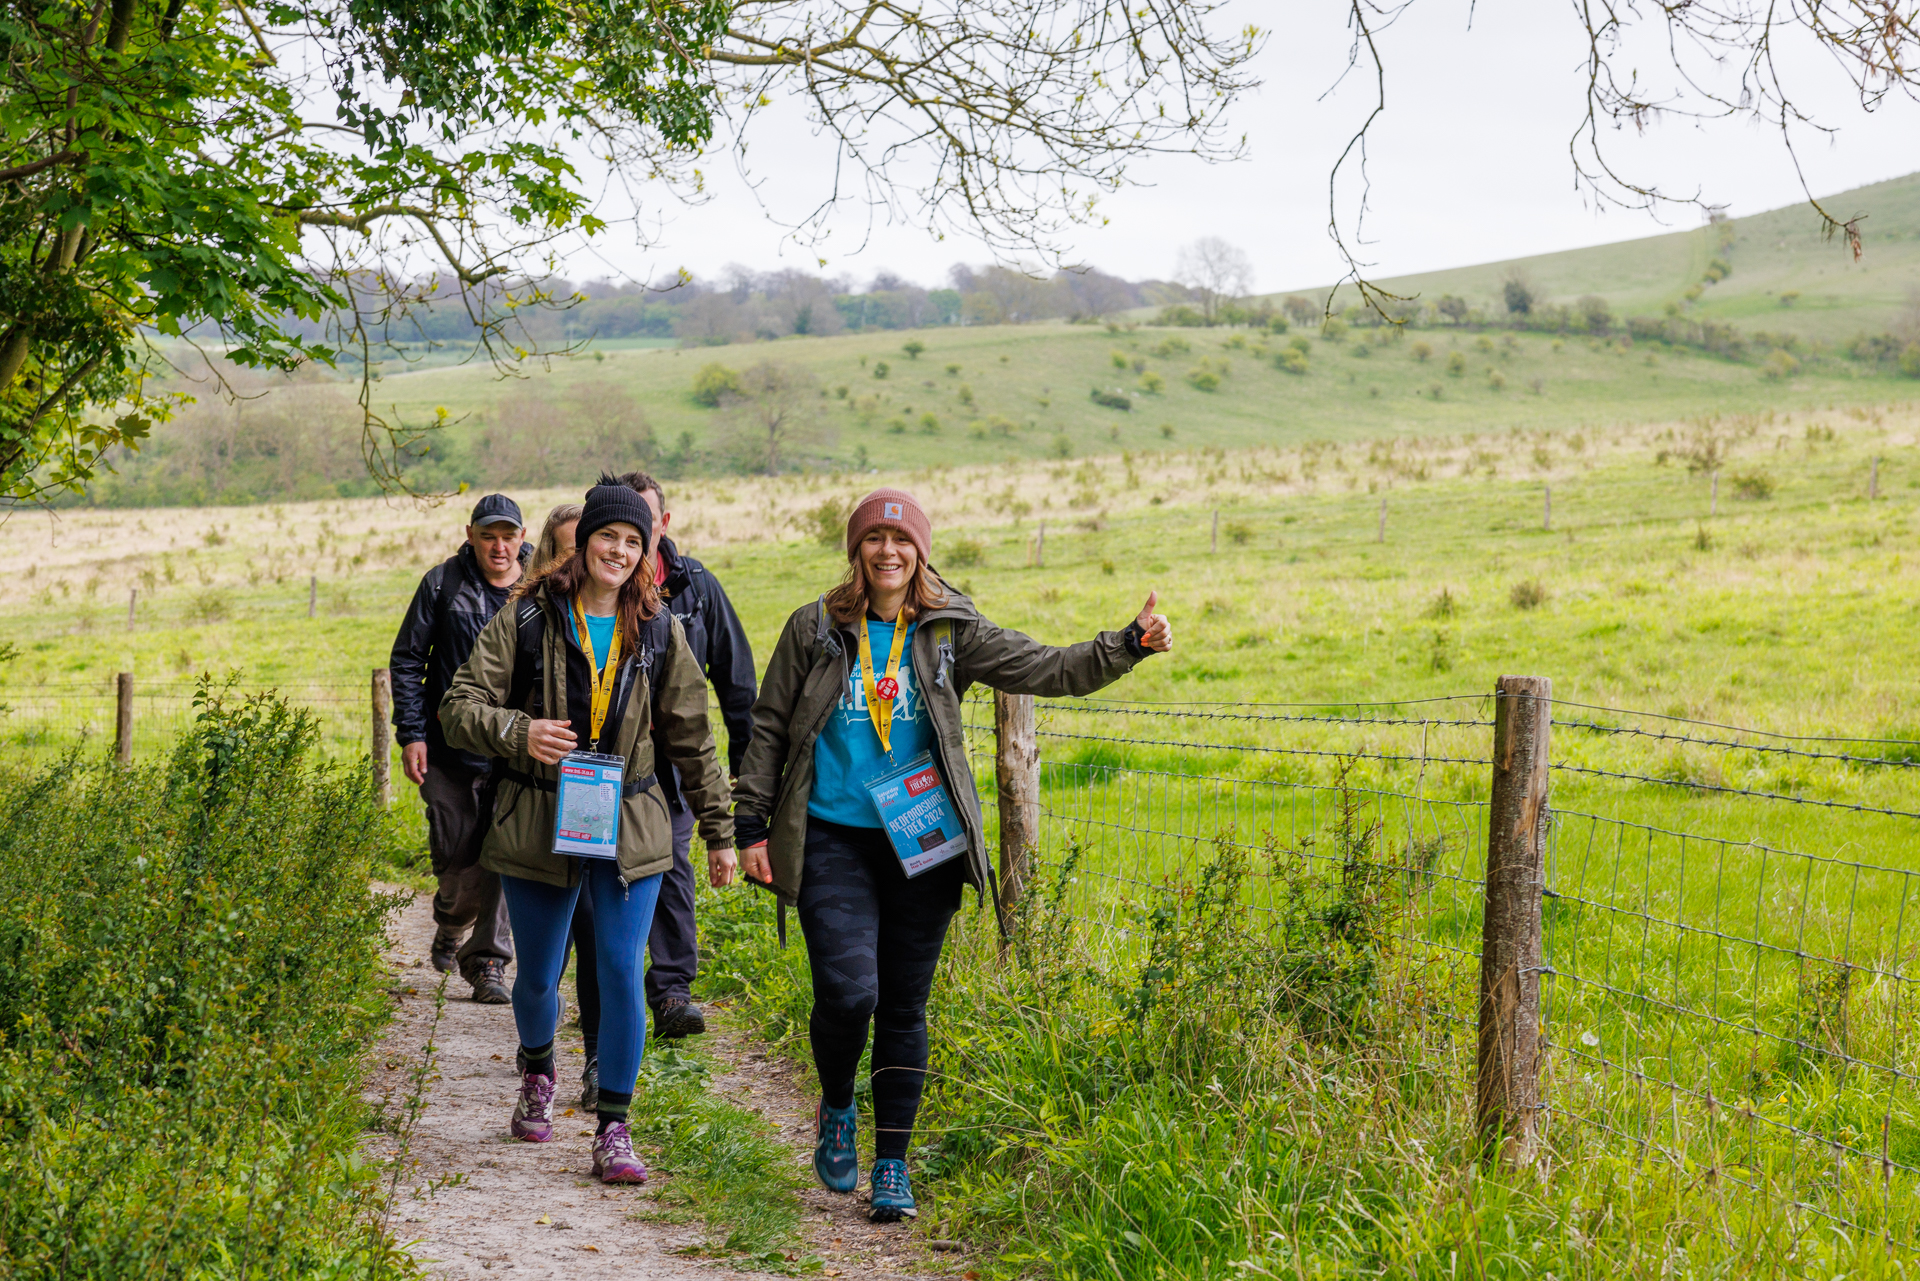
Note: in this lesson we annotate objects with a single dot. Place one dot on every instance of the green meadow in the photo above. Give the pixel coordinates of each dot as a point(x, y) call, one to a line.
point(1185, 1068)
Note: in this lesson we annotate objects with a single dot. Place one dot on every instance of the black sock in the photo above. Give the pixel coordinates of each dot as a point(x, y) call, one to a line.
point(539, 1061)
point(613, 1107)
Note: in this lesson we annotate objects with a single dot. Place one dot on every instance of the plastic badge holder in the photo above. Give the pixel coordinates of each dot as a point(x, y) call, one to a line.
point(918, 814)
point(586, 819)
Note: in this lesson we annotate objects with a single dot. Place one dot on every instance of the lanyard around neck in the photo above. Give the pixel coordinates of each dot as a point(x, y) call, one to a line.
point(602, 679)
point(881, 693)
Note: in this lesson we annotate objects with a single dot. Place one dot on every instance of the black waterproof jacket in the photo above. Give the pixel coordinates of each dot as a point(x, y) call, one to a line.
point(718, 642)
point(450, 607)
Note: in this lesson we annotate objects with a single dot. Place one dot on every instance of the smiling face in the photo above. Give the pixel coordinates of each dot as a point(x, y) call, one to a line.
point(613, 552)
point(889, 559)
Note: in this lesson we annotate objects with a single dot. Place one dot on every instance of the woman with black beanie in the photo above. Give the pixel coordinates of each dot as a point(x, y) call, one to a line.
point(585, 660)
point(859, 710)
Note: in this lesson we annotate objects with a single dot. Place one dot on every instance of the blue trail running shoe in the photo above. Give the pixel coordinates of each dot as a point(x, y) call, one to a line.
point(892, 1193)
point(834, 1158)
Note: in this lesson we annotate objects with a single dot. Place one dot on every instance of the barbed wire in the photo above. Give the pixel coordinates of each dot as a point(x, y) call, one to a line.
point(1735, 745)
point(1106, 707)
point(1274, 751)
point(1750, 793)
point(1736, 729)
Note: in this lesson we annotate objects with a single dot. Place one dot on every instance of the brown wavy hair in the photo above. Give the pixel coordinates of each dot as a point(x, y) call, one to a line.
point(547, 550)
point(848, 601)
point(639, 597)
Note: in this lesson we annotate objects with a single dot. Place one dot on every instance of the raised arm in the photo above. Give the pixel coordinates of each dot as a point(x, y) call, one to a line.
point(1004, 659)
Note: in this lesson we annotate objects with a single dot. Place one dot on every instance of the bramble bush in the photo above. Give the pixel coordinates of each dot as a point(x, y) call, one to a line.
point(190, 980)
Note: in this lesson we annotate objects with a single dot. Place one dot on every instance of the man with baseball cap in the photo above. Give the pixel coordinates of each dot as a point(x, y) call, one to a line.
point(453, 603)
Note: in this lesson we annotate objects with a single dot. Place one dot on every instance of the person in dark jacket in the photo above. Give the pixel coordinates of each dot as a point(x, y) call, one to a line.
point(454, 601)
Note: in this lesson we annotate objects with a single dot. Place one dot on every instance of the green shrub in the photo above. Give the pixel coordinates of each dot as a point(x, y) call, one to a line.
point(929, 424)
point(1421, 351)
point(1754, 486)
point(714, 383)
point(965, 394)
point(1334, 329)
point(1456, 364)
point(1202, 378)
point(881, 369)
point(1910, 360)
point(967, 552)
point(1779, 365)
point(1110, 399)
point(190, 980)
point(1172, 346)
point(1181, 315)
point(1239, 533)
point(1120, 359)
point(913, 347)
point(827, 523)
point(1151, 383)
point(1530, 594)
point(1291, 360)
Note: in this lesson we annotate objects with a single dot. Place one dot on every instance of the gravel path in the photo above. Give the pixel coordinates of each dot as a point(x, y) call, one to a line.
point(477, 1204)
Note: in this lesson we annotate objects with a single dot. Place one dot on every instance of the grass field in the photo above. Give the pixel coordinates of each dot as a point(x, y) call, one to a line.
point(1785, 603)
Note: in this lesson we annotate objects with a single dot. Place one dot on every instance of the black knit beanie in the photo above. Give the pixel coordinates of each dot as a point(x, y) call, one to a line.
point(608, 502)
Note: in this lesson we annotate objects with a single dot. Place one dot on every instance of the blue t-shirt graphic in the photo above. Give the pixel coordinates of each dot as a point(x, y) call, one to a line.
point(847, 753)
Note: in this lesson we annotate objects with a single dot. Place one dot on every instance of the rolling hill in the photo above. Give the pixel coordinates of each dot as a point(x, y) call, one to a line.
point(1773, 254)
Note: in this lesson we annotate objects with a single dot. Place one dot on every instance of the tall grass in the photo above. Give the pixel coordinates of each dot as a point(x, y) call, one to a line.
point(190, 979)
point(1213, 1087)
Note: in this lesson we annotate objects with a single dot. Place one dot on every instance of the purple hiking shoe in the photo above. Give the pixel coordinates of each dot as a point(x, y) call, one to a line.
point(533, 1110)
point(613, 1158)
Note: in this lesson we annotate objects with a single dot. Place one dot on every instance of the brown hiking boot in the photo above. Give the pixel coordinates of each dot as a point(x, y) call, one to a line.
point(489, 981)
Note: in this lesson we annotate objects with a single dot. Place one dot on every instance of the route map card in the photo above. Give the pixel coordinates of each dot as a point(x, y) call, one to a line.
point(918, 814)
point(586, 821)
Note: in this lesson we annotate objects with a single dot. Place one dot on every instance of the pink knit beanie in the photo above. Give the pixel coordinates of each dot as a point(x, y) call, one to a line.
point(895, 507)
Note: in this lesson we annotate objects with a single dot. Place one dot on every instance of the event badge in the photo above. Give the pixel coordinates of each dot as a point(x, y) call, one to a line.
point(586, 820)
point(917, 814)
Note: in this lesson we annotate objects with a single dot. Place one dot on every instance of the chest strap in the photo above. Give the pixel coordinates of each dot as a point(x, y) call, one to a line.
point(628, 787)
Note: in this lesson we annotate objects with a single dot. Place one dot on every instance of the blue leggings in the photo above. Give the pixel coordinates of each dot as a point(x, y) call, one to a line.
point(542, 915)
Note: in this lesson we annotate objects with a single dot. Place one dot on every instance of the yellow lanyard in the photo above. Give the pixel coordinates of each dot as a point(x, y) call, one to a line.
point(603, 679)
point(878, 707)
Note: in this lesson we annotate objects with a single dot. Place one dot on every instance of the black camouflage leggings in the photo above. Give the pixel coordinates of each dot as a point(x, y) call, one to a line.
point(873, 941)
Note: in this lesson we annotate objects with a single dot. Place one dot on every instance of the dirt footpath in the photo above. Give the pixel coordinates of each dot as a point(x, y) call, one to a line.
point(475, 1203)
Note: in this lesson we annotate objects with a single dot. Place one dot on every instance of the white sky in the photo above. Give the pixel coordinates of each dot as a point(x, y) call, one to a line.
point(1469, 164)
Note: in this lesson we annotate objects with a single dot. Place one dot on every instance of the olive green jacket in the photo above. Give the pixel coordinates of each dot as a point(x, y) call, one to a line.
point(953, 648)
point(519, 841)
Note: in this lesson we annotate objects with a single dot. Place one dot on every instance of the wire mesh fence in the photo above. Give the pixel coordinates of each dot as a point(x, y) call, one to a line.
point(58, 716)
point(1726, 937)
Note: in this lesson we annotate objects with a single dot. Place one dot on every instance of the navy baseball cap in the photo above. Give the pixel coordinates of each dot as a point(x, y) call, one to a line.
point(497, 509)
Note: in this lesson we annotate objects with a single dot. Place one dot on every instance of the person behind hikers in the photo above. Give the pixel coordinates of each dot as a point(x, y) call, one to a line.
point(586, 658)
point(453, 603)
point(806, 824)
point(719, 645)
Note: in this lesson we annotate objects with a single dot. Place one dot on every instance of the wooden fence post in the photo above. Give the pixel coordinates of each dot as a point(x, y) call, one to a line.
point(1510, 1034)
point(1016, 766)
point(1713, 504)
point(382, 737)
point(123, 718)
point(1383, 522)
point(1216, 531)
point(1546, 520)
point(313, 593)
point(133, 603)
point(1873, 481)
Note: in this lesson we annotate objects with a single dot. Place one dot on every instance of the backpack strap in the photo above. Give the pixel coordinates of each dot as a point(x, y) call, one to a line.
point(825, 639)
point(453, 576)
point(530, 632)
point(941, 629)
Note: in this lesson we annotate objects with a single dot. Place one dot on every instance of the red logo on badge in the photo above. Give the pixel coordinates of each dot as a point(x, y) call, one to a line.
point(924, 781)
point(887, 688)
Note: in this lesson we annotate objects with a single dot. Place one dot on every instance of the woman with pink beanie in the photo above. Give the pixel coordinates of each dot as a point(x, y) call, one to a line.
point(860, 707)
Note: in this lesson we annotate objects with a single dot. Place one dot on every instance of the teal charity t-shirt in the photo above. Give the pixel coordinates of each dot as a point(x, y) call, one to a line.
point(847, 753)
point(600, 635)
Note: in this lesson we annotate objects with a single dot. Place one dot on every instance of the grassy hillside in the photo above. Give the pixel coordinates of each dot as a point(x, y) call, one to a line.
point(999, 393)
point(1777, 252)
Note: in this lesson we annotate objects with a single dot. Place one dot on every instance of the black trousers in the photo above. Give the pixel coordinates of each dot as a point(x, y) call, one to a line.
point(873, 942)
point(672, 947)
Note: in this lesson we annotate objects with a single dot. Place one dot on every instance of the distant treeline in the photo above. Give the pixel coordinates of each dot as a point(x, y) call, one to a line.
point(742, 305)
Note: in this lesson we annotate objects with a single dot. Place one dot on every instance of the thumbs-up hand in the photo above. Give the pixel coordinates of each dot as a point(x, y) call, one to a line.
point(1156, 631)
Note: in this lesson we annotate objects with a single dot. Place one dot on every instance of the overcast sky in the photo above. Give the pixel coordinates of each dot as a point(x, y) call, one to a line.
point(1469, 164)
